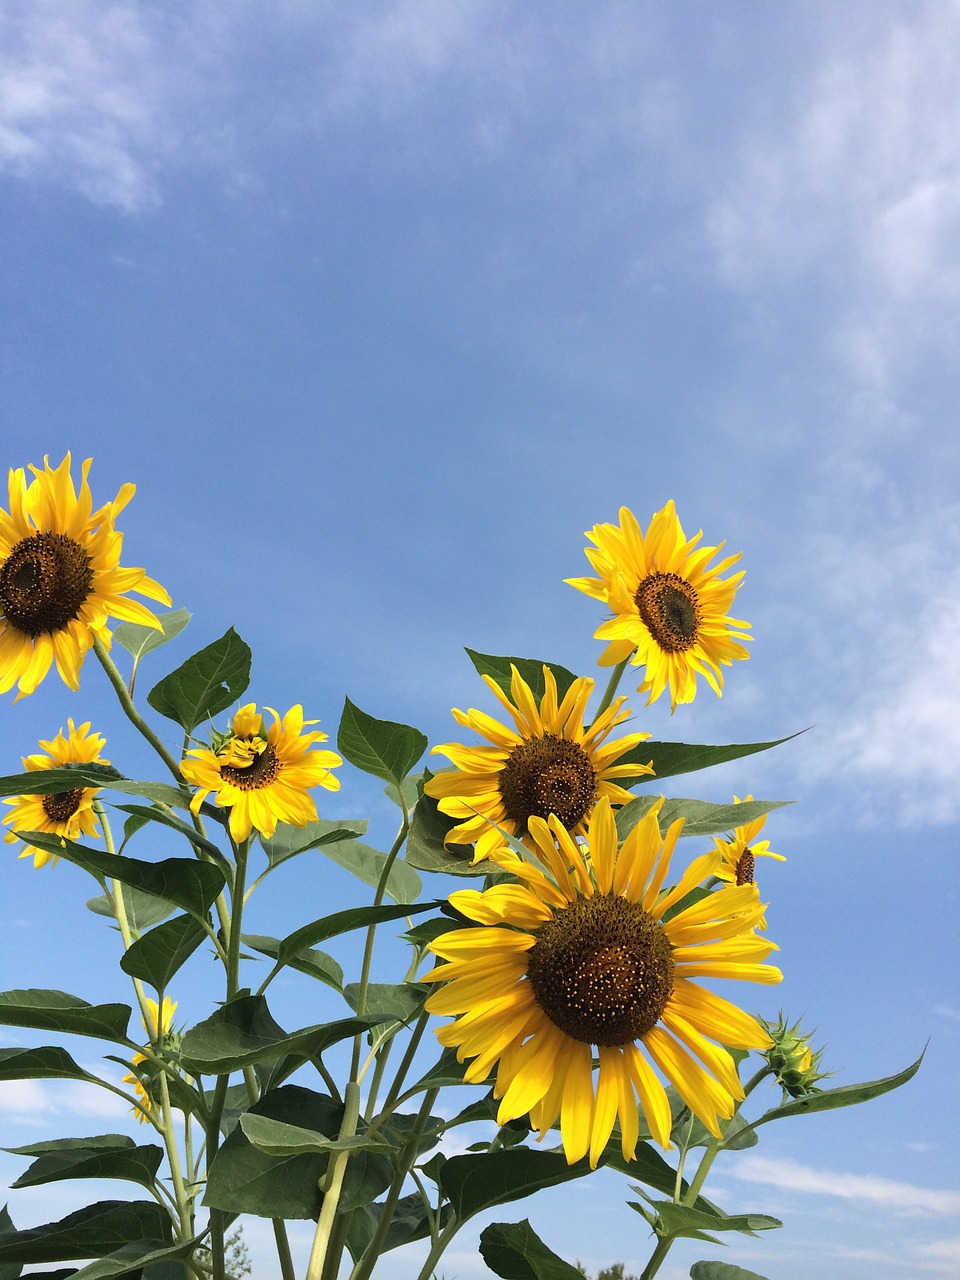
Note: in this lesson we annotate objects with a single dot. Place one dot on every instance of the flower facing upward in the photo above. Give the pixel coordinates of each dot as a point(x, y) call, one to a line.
point(548, 763)
point(263, 776)
point(60, 576)
point(669, 604)
point(581, 952)
point(64, 813)
point(160, 1033)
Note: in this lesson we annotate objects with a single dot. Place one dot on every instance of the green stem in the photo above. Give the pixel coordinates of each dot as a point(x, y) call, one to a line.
point(334, 1183)
point(611, 688)
point(414, 1043)
point(131, 712)
point(440, 1243)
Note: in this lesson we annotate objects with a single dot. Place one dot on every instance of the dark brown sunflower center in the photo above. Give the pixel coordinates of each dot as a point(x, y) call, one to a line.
point(548, 775)
point(670, 607)
point(602, 970)
point(43, 582)
point(746, 865)
point(265, 769)
point(61, 806)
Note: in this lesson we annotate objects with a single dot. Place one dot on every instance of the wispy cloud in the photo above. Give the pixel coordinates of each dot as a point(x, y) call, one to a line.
point(25, 1101)
point(898, 1197)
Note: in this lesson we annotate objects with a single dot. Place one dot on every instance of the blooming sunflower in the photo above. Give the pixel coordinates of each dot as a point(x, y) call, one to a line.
point(60, 576)
point(64, 813)
point(582, 952)
point(161, 1033)
point(738, 855)
point(263, 775)
point(669, 604)
point(549, 763)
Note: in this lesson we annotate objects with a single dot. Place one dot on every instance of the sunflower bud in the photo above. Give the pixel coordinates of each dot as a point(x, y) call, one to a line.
point(792, 1059)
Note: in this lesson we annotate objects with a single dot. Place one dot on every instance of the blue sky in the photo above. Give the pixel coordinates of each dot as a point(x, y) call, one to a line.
point(382, 305)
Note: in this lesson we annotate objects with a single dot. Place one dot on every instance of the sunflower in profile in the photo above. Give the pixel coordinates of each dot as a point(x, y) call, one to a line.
point(262, 775)
point(63, 813)
point(161, 1033)
point(547, 763)
point(739, 854)
point(583, 954)
point(669, 604)
point(61, 577)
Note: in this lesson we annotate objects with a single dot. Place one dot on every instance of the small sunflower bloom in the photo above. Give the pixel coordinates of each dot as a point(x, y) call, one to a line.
point(582, 956)
point(161, 1033)
point(670, 605)
point(66, 813)
point(262, 775)
point(60, 576)
point(739, 853)
point(547, 763)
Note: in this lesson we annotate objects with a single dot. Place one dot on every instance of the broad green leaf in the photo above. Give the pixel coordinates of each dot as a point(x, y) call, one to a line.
point(426, 850)
point(382, 747)
point(477, 1182)
point(701, 818)
point(189, 884)
point(138, 640)
point(721, 1271)
point(367, 1176)
point(276, 1138)
point(157, 956)
point(8, 1270)
point(41, 782)
point(136, 1257)
point(243, 1032)
point(47, 1063)
point(127, 1163)
point(409, 1223)
point(150, 813)
point(98, 1142)
point(91, 1232)
point(847, 1095)
point(204, 685)
point(673, 1220)
point(290, 841)
point(316, 964)
point(403, 883)
point(143, 909)
point(531, 670)
point(343, 921)
point(242, 1179)
point(514, 1251)
point(58, 1011)
point(156, 792)
point(396, 1002)
point(672, 758)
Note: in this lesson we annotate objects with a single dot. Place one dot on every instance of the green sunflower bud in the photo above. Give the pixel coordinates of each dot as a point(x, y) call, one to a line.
point(792, 1059)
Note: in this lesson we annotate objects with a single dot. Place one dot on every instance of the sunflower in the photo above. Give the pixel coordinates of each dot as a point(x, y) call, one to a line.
point(583, 951)
point(262, 775)
point(669, 604)
point(549, 763)
point(60, 576)
point(64, 813)
point(160, 1033)
point(739, 854)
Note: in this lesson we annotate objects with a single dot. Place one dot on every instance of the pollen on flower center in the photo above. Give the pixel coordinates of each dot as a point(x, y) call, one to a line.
point(602, 970)
point(670, 608)
point(43, 582)
point(548, 775)
point(62, 805)
point(264, 769)
point(746, 867)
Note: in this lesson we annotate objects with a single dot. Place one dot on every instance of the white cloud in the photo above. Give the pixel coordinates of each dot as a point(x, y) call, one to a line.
point(897, 1197)
point(23, 1101)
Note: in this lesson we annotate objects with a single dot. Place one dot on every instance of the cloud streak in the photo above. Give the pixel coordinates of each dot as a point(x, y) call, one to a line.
point(885, 1193)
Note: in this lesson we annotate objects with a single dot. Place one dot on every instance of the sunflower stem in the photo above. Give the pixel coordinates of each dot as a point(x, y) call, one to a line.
point(611, 689)
point(334, 1184)
point(131, 712)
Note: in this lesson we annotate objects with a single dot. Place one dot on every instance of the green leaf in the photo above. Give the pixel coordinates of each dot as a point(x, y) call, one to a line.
point(672, 758)
point(403, 883)
point(41, 782)
point(396, 1002)
point(138, 640)
point(127, 1162)
point(672, 1220)
point(242, 1179)
point(382, 747)
point(47, 1063)
point(9, 1270)
point(189, 884)
point(316, 964)
point(205, 684)
point(276, 1138)
point(701, 818)
point(150, 813)
point(408, 1223)
point(91, 1232)
point(136, 1257)
point(157, 956)
point(243, 1032)
point(143, 909)
point(648, 1166)
point(514, 1251)
point(290, 841)
point(477, 1182)
point(343, 921)
point(847, 1095)
point(57, 1011)
point(721, 1271)
point(531, 670)
point(426, 850)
